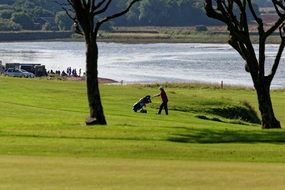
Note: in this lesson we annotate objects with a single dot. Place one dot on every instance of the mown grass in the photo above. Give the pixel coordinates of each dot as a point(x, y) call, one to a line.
point(45, 144)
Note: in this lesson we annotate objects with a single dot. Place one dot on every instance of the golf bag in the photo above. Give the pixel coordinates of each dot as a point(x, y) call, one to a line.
point(138, 106)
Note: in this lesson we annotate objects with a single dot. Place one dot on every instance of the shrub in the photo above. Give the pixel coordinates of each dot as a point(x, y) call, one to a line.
point(201, 28)
point(23, 19)
point(6, 14)
point(8, 25)
point(245, 112)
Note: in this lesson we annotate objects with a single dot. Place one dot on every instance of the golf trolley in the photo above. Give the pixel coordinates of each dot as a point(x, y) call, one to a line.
point(139, 106)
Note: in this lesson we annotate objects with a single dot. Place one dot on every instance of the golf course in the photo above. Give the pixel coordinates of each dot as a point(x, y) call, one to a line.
point(211, 139)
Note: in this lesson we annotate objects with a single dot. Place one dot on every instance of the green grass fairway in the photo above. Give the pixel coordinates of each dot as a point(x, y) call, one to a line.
point(54, 173)
point(45, 144)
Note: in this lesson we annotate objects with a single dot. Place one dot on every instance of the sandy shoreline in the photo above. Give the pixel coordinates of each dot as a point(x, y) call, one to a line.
point(107, 80)
point(100, 79)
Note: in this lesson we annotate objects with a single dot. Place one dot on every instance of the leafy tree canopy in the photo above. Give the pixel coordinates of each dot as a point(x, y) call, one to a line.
point(146, 13)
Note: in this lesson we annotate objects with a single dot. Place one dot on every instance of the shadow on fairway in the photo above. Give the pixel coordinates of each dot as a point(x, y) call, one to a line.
point(229, 136)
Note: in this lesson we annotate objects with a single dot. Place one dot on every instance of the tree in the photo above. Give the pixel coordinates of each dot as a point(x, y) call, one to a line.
point(9, 25)
point(154, 12)
point(6, 14)
point(63, 21)
point(89, 17)
point(23, 19)
point(240, 40)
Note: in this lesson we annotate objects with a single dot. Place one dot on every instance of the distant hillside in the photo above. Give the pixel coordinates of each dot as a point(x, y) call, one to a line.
point(16, 15)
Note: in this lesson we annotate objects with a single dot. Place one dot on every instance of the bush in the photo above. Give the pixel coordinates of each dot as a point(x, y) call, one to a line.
point(8, 25)
point(244, 112)
point(46, 27)
point(23, 19)
point(6, 14)
point(201, 28)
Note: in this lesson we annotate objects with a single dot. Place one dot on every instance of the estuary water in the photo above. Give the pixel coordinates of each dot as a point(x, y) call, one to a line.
point(145, 63)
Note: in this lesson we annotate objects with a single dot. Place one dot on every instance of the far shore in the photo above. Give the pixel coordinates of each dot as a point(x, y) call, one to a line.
point(205, 38)
point(81, 78)
point(126, 35)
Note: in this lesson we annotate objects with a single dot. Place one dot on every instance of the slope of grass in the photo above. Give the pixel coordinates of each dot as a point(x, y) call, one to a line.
point(44, 142)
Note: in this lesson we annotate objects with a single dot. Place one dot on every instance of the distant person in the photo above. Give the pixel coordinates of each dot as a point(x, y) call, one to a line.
point(164, 99)
point(63, 74)
point(74, 73)
point(57, 72)
point(68, 71)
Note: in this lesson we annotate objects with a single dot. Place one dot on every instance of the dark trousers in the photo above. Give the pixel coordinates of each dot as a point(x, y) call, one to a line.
point(163, 105)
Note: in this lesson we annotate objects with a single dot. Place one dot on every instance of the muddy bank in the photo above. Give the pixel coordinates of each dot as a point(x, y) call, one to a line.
point(101, 80)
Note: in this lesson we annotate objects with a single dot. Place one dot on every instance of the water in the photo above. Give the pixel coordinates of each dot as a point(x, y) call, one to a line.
point(137, 63)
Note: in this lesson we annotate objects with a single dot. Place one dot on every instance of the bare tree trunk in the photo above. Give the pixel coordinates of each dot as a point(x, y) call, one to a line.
point(88, 18)
point(269, 120)
point(94, 100)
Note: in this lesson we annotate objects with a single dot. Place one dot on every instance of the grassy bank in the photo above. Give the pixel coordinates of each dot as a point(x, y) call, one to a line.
point(163, 38)
point(44, 142)
point(137, 35)
point(214, 34)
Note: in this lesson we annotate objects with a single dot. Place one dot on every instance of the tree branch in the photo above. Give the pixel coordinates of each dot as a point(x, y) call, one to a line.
point(278, 4)
point(84, 3)
point(256, 18)
point(210, 11)
point(279, 53)
point(225, 14)
point(99, 4)
point(275, 26)
point(239, 31)
point(103, 9)
point(99, 23)
point(93, 5)
point(81, 16)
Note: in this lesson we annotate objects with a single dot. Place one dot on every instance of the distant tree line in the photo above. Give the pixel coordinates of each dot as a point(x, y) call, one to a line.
point(18, 15)
point(48, 15)
point(166, 13)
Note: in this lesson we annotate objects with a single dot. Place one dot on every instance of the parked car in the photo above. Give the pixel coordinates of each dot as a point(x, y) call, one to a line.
point(13, 72)
point(2, 69)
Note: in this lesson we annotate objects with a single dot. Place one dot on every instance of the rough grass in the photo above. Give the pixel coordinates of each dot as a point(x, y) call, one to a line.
point(243, 112)
point(45, 144)
point(175, 34)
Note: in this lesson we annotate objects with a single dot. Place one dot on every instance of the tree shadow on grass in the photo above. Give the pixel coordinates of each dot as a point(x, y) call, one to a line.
point(229, 136)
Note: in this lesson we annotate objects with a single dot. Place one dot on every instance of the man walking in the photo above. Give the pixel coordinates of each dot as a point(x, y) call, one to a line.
point(164, 99)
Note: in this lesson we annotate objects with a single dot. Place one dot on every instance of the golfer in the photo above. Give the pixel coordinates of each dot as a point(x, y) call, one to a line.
point(164, 99)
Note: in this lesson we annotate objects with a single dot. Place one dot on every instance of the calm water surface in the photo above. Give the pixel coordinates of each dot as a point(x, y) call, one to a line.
point(145, 62)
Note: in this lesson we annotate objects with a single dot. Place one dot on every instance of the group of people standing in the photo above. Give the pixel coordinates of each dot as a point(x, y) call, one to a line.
point(68, 73)
point(73, 72)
